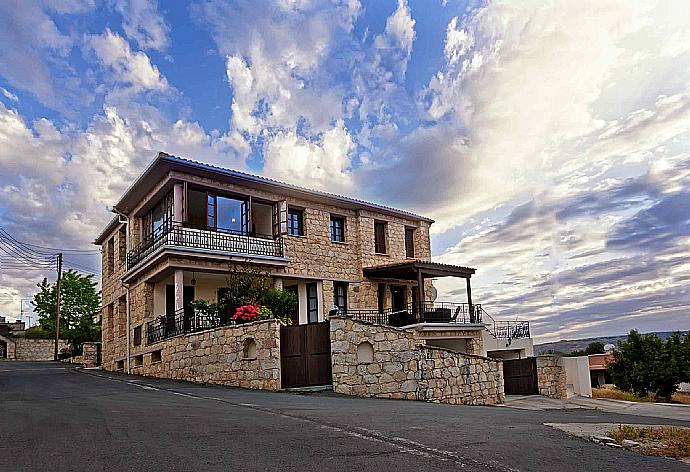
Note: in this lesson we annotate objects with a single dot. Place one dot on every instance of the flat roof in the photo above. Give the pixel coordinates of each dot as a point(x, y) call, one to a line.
point(408, 270)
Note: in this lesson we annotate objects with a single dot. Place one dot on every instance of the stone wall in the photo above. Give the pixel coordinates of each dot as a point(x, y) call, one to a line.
point(380, 361)
point(90, 354)
point(551, 376)
point(37, 349)
point(246, 356)
point(9, 347)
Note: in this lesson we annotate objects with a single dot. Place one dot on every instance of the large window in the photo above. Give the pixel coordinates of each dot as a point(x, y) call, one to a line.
point(312, 303)
point(340, 295)
point(380, 237)
point(209, 210)
point(337, 229)
point(230, 217)
point(409, 242)
point(160, 216)
point(295, 222)
point(111, 256)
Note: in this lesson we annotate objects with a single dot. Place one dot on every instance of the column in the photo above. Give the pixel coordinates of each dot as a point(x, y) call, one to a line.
point(179, 289)
point(177, 203)
point(469, 301)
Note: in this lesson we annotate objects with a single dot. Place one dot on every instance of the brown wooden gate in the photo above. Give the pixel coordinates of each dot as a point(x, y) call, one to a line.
point(520, 376)
point(305, 355)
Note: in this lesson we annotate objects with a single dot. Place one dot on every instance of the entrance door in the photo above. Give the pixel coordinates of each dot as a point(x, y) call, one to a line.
point(3, 349)
point(305, 355)
point(520, 376)
point(398, 297)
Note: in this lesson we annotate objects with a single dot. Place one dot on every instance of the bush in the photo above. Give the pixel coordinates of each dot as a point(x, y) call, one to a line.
point(282, 303)
point(37, 332)
point(647, 365)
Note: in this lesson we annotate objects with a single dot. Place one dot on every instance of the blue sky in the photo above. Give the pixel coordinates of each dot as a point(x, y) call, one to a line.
point(548, 140)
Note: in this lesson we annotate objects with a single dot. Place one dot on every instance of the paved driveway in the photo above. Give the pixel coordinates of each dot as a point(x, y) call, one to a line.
point(53, 417)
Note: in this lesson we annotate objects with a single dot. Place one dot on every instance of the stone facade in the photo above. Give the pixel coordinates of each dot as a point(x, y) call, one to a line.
point(246, 356)
point(90, 354)
point(551, 376)
point(380, 361)
point(37, 349)
point(312, 256)
point(7, 348)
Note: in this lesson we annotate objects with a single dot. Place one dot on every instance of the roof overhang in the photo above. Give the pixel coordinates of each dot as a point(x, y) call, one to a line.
point(112, 226)
point(165, 163)
point(411, 269)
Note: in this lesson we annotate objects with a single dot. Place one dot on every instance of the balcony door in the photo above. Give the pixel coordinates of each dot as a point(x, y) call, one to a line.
point(223, 213)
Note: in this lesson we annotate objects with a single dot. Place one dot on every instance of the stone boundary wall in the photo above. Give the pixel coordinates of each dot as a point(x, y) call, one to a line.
point(9, 353)
point(90, 354)
point(247, 356)
point(372, 360)
point(551, 377)
point(37, 349)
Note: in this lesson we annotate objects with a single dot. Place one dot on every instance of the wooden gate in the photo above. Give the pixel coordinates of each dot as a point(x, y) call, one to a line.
point(520, 376)
point(305, 355)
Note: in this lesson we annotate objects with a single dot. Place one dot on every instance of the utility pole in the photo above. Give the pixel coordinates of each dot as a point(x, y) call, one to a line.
point(57, 306)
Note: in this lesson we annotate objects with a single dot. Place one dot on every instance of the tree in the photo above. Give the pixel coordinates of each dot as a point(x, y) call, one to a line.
point(595, 347)
point(647, 364)
point(79, 305)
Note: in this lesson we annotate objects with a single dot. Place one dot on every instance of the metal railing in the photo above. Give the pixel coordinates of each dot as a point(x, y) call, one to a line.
point(507, 329)
point(213, 239)
point(183, 321)
point(427, 312)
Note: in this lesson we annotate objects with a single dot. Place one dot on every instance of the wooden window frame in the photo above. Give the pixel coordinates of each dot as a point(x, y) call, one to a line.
point(340, 299)
point(111, 255)
point(334, 235)
point(309, 298)
point(136, 336)
point(300, 221)
point(409, 244)
point(382, 243)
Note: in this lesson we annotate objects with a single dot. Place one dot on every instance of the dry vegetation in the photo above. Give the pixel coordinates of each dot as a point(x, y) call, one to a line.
point(615, 394)
point(667, 441)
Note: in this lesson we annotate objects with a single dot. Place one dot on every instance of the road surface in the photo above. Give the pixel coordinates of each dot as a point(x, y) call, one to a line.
point(55, 417)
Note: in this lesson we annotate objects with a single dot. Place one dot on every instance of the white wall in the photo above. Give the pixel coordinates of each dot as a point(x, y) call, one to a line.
point(515, 349)
point(302, 296)
point(577, 377)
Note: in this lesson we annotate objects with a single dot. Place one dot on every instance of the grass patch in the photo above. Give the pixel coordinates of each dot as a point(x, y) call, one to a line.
point(664, 441)
point(615, 394)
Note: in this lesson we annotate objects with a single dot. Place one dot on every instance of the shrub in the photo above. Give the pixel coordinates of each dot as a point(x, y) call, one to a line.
point(37, 332)
point(282, 303)
point(245, 314)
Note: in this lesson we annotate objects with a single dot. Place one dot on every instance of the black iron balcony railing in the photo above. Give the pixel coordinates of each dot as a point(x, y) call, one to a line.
point(212, 239)
point(182, 321)
point(510, 329)
point(427, 312)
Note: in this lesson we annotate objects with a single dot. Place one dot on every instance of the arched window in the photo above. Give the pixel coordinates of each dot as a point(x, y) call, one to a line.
point(365, 352)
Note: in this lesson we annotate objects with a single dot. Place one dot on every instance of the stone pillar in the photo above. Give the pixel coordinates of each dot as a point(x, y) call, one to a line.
point(327, 297)
point(177, 203)
point(179, 287)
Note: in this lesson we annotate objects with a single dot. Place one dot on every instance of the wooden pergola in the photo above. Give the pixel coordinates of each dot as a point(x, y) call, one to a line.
point(420, 270)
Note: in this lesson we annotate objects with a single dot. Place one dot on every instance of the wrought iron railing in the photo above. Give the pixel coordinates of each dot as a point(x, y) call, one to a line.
point(510, 329)
point(427, 312)
point(213, 239)
point(186, 320)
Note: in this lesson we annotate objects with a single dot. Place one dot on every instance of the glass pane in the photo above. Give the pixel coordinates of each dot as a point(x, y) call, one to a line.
point(229, 214)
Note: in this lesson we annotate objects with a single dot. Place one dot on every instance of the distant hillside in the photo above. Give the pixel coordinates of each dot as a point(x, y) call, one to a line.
point(566, 346)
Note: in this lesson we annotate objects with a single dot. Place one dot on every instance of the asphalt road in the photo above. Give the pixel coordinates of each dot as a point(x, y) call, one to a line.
point(54, 417)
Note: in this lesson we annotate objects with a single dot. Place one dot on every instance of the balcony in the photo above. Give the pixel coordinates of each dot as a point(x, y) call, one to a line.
point(426, 312)
point(205, 239)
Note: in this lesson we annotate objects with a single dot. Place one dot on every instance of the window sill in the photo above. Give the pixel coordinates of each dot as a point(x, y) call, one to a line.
point(249, 358)
point(296, 235)
point(382, 254)
point(342, 243)
point(155, 363)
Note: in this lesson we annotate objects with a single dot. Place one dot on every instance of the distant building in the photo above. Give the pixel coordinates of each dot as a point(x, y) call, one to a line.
point(597, 369)
point(14, 328)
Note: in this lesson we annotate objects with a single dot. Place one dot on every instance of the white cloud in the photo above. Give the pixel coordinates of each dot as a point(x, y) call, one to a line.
point(396, 40)
point(324, 163)
point(143, 23)
point(9, 94)
point(128, 67)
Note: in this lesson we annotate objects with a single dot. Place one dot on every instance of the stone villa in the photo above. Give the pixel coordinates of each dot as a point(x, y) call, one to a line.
point(366, 322)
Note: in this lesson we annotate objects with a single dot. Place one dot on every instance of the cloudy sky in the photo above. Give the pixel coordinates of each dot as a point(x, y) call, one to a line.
point(549, 140)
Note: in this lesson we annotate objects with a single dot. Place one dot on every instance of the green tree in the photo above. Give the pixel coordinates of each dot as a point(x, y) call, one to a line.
point(79, 305)
point(647, 364)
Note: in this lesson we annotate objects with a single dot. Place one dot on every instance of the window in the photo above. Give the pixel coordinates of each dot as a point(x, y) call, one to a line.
point(249, 349)
point(156, 356)
point(312, 303)
point(337, 229)
point(232, 215)
point(340, 295)
point(121, 326)
point(160, 216)
point(381, 297)
point(295, 222)
point(111, 256)
point(137, 336)
point(122, 245)
point(409, 242)
point(210, 211)
point(120, 365)
point(380, 237)
point(109, 315)
point(139, 360)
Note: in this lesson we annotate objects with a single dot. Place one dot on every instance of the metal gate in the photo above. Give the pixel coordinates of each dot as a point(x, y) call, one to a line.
point(520, 376)
point(305, 355)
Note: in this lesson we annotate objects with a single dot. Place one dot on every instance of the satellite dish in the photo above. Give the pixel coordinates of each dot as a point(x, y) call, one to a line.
point(609, 347)
point(434, 293)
